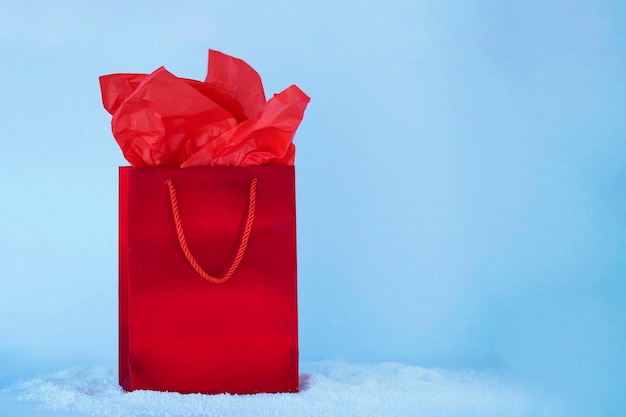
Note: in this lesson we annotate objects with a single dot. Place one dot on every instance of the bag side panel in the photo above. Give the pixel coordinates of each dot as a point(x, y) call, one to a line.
point(124, 371)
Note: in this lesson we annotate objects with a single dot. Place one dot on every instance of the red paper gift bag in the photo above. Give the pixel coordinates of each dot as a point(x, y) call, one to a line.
point(207, 293)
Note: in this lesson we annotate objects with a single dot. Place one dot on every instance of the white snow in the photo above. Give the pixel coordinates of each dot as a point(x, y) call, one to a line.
point(327, 389)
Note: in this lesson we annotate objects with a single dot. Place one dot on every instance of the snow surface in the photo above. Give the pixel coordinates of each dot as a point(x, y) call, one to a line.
point(327, 389)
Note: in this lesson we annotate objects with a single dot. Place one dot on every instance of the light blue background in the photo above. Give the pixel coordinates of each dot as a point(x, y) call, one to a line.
point(461, 178)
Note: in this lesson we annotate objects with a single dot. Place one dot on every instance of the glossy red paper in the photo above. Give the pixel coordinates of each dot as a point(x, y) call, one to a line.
point(161, 120)
point(180, 332)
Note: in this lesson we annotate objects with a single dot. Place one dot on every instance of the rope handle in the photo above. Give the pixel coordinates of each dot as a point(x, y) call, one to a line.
point(242, 245)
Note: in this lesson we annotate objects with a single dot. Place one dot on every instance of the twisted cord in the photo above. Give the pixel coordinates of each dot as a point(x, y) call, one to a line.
point(242, 245)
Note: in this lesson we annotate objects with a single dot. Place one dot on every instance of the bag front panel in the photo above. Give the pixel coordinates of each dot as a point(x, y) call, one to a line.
point(184, 333)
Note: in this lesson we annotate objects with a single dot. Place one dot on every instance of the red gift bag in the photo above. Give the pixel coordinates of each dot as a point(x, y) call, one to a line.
point(207, 292)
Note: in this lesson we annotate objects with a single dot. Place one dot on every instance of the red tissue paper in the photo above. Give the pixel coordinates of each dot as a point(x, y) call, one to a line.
point(161, 120)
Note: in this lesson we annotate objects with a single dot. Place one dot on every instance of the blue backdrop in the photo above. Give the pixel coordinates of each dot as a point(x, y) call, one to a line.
point(461, 178)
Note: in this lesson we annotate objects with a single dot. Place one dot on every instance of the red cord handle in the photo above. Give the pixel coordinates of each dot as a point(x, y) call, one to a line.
point(242, 245)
